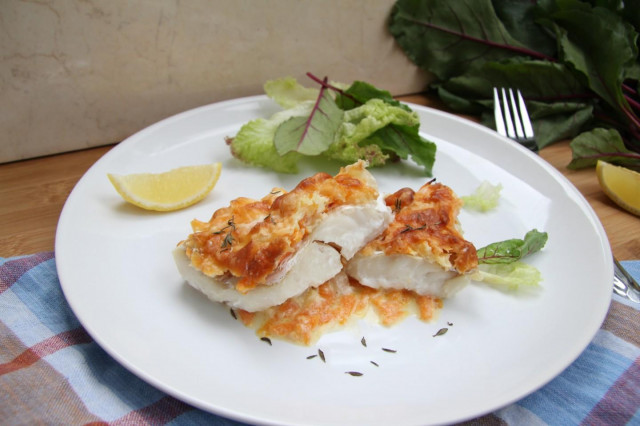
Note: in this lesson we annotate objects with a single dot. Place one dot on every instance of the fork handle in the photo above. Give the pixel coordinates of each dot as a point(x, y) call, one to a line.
point(530, 144)
point(624, 284)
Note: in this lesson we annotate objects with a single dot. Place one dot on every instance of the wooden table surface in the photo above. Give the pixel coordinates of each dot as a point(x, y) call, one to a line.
point(33, 192)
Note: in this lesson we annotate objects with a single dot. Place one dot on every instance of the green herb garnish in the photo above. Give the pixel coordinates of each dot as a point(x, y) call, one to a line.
point(512, 250)
point(441, 332)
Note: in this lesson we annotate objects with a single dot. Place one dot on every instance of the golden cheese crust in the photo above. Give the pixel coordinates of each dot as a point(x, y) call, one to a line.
point(426, 225)
point(252, 239)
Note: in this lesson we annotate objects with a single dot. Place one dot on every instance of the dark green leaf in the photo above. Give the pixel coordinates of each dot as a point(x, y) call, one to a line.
point(559, 105)
point(310, 135)
point(519, 18)
point(601, 144)
point(447, 37)
point(539, 80)
point(631, 13)
point(360, 92)
point(509, 251)
point(404, 141)
point(581, 31)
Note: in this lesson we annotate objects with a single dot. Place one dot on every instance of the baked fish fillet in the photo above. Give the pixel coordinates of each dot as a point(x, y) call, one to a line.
point(422, 249)
point(255, 254)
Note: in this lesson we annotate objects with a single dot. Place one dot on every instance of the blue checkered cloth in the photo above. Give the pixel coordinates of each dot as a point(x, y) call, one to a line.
point(52, 372)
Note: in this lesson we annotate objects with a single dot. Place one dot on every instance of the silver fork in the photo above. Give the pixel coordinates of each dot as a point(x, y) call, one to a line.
point(512, 121)
point(512, 118)
point(623, 283)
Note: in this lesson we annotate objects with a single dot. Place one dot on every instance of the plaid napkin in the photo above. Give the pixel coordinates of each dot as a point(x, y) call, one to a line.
point(52, 372)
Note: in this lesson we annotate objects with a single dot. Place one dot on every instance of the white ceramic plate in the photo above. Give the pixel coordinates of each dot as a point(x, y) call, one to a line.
point(116, 270)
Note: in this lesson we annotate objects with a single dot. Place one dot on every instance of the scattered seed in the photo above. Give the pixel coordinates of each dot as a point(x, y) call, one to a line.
point(353, 373)
point(312, 356)
point(321, 354)
point(233, 314)
point(449, 324)
point(374, 363)
point(441, 332)
point(393, 351)
point(364, 342)
point(266, 339)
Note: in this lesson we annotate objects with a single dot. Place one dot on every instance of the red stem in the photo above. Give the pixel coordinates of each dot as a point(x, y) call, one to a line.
point(490, 43)
point(325, 84)
point(635, 104)
point(316, 107)
point(628, 89)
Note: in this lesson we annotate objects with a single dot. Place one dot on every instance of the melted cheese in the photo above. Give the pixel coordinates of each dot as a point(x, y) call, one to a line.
point(336, 303)
point(426, 226)
point(251, 240)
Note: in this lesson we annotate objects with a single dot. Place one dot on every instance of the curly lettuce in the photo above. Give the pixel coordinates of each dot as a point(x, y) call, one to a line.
point(509, 276)
point(288, 93)
point(484, 198)
point(253, 144)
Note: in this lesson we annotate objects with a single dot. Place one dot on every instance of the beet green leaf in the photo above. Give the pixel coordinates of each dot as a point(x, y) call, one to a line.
point(512, 250)
point(310, 135)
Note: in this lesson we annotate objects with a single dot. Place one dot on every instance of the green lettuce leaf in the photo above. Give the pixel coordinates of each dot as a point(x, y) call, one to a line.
point(378, 131)
point(484, 198)
point(508, 277)
point(253, 144)
point(288, 93)
point(509, 251)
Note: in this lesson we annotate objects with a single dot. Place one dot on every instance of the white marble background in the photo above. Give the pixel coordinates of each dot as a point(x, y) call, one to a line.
point(81, 73)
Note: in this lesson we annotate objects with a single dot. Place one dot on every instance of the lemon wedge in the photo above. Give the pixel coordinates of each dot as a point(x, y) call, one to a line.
point(620, 184)
point(168, 191)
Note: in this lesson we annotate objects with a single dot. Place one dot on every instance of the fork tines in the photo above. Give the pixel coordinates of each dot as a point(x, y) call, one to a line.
point(514, 121)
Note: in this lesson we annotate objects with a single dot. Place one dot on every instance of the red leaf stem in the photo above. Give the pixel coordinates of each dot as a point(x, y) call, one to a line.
point(327, 85)
point(613, 154)
point(521, 50)
point(316, 108)
point(634, 104)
